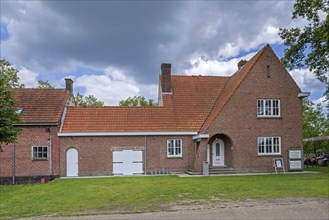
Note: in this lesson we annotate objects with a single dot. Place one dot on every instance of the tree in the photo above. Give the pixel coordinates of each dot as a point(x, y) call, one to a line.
point(137, 101)
point(81, 100)
point(315, 124)
point(45, 85)
point(9, 75)
point(309, 47)
point(8, 114)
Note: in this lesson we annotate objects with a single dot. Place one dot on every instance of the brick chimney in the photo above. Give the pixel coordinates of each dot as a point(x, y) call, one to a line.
point(69, 85)
point(241, 63)
point(166, 77)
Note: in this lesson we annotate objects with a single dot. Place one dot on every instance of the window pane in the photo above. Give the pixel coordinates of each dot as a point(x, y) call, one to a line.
point(170, 147)
point(268, 145)
point(268, 107)
point(260, 145)
point(217, 149)
point(276, 145)
point(260, 107)
point(178, 150)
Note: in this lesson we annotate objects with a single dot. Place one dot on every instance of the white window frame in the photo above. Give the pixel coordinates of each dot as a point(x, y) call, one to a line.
point(267, 145)
point(176, 152)
point(42, 152)
point(266, 109)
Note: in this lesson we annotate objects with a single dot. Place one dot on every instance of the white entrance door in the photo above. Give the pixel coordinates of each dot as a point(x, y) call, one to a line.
point(127, 162)
point(72, 167)
point(218, 153)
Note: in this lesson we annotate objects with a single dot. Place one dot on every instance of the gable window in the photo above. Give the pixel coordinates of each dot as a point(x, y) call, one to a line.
point(268, 108)
point(40, 153)
point(269, 145)
point(174, 148)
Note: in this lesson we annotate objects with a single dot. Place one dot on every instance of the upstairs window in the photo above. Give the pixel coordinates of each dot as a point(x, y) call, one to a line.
point(269, 145)
point(174, 148)
point(40, 153)
point(268, 108)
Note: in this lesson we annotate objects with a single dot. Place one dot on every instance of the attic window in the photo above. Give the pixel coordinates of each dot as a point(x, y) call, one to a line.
point(268, 72)
point(19, 111)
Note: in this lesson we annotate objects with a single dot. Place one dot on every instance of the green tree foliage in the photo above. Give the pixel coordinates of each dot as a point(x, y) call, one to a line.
point(45, 85)
point(309, 47)
point(81, 100)
point(315, 124)
point(137, 101)
point(8, 115)
point(9, 75)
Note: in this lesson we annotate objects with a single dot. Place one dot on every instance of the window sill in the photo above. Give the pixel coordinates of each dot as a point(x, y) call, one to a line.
point(39, 159)
point(269, 117)
point(269, 155)
point(174, 157)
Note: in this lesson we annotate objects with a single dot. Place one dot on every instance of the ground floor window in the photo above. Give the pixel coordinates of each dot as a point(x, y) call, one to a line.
point(39, 153)
point(174, 148)
point(269, 145)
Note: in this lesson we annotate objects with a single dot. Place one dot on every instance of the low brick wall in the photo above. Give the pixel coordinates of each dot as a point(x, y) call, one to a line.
point(25, 179)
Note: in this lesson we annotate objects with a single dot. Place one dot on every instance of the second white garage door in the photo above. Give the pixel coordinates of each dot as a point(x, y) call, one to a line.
point(127, 162)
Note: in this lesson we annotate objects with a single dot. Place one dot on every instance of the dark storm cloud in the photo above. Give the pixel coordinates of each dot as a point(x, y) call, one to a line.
point(134, 35)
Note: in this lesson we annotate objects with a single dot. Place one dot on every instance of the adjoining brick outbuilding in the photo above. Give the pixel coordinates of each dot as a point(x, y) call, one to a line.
point(35, 154)
point(240, 123)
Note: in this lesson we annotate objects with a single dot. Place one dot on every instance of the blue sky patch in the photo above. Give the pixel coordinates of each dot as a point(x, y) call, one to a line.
point(4, 35)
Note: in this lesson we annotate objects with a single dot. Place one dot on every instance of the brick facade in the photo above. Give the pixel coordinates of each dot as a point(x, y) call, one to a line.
point(95, 153)
point(27, 169)
point(238, 120)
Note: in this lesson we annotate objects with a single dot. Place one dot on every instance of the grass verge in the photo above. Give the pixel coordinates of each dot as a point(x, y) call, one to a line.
point(65, 197)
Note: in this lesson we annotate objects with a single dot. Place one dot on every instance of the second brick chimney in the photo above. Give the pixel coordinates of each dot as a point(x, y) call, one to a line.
point(241, 63)
point(166, 77)
point(69, 85)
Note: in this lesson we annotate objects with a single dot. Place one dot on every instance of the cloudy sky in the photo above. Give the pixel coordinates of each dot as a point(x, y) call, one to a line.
point(114, 49)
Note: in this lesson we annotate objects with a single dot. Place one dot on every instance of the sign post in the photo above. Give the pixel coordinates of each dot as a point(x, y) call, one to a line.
point(278, 165)
point(295, 155)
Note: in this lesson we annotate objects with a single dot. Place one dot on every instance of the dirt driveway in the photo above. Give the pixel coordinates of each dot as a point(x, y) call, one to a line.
point(315, 209)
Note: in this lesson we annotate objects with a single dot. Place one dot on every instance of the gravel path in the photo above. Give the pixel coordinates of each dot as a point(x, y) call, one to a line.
point(288, 208)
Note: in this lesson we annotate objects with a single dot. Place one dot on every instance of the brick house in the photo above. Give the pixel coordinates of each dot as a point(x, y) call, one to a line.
point(238, 123)
point(36, 151)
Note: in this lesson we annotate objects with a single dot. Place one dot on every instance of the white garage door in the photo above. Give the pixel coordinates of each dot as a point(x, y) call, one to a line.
point(127, 162)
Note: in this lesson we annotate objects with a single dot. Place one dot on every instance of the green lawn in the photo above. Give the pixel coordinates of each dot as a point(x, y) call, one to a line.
point(139, 194)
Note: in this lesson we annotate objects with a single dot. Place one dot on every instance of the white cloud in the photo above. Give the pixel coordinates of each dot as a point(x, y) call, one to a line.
point(28, 78)
point(267, 34)
point(307, 81)
point(202, 66)
point(113, 86)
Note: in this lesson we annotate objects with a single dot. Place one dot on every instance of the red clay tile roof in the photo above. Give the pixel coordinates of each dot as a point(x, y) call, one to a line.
point(184, 110)
point(194, 103)
point(41, 105)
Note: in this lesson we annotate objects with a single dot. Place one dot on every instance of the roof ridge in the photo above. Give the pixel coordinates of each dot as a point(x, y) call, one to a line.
point(199, 76)
point(39, 89)
point(117, 107)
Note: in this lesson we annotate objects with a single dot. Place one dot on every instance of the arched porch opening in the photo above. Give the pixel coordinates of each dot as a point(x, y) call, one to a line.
point(220, 152)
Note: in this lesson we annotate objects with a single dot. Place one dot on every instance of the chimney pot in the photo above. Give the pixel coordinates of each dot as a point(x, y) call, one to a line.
point(166, 77)
point(241, 63)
